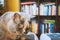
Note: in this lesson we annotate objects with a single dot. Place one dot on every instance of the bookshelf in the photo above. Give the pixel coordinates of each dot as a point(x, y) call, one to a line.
point(45, 10)
point(58, 14)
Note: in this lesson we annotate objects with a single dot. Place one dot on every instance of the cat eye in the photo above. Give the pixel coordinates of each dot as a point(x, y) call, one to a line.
point(21, 22)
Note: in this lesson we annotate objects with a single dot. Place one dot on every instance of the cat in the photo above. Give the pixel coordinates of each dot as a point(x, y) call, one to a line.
point(13, 23)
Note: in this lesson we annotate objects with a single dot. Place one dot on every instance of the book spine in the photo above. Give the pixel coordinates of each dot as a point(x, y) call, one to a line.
point(23, 8)
point(51, 27)
point(41, 9)
point(34, 9)
point(27, 9)
point(31, 11)
point(59, 10)
point(53, 10)
point(32, 27)
point(50, 10)
point(42, 28)
point(46, 10)
point(36, 28)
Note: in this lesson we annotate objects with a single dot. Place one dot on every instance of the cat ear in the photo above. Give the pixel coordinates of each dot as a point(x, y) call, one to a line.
point(16, 15)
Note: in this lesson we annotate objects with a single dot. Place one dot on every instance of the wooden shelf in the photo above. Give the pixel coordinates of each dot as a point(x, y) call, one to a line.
point(28, 0)
point(48, 15)
point(27, 3)
point(45, 15)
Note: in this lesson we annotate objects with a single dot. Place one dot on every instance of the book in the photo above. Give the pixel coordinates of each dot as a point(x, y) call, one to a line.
point(50, 10)
point(59, 9)
point(51, 27)
point(41, 9)
point(53, 10)
point(30, 9)
point(27, 9)
point(23, 8)
point(34, 9)
point(34, 27)
point(49, 21)
point(47, 26)
point(43, 28)
point(46, 10)
point(40, 28)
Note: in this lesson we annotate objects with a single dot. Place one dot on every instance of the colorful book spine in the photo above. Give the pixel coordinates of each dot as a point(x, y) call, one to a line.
point(43, 28)
point(53, 10)
point(50, 10)
point(34, 9)
point(59, 9)
point(46, 10)
point(23, 8)
point(51, 27)
point(40, 28)
point(47, 26)
point(37, 11)
point(41, 9)
point(31, 11)
point(34, 27)
point(27, 9)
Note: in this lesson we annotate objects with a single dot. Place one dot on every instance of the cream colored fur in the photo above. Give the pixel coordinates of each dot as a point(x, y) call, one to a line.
point(9, 21)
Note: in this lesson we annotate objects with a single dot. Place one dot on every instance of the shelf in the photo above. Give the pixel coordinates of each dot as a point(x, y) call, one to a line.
point(28, 0)
point(27, 3)
point(48, 3)
point(45, 16)
point(48, 16)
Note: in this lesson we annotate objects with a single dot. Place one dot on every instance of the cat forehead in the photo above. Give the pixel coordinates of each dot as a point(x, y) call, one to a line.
point(10, 14)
